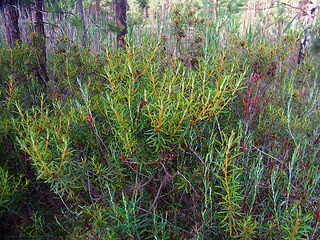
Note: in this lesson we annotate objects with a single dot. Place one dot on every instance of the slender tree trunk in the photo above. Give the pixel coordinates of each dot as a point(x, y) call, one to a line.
point(37, 17)
point(81, 15)
point(308, 18)
point(38, 27)
point(164, 9)
point(121, 18)
point(97, 9)
point(146, 12)
point(217, 8)
point(11, 21)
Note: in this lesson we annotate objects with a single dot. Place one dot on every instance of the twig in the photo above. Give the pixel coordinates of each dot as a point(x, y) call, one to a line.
point(197, 155)
point(314, 143)
point(164, 182)
point(297, 8)
point(78, 214)
point(178, 173)
point(267, 154)
point(154, 201)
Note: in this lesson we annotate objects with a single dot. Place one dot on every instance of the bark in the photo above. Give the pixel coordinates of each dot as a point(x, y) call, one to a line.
point(81, 15)
point(37, 17)
point(121, 18)
point(146, 12)
point(38, 27)
point(217, 8)
point(302, 51)
point(308, 18)
point(11, 17)
point(97, 9)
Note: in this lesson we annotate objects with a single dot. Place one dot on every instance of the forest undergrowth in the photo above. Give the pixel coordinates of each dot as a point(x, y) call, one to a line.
point(190, 134)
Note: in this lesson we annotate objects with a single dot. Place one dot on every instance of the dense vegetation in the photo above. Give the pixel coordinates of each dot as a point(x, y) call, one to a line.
point(203, 127)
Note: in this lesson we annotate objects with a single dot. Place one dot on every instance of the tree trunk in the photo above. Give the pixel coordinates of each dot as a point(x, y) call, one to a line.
point(308, 18)
point(121, 18)
point(146, 12)
point(38, 27)
point(37, 17)
point(81, 15)
point(217, 8)
point(11, 21)
point(97, 9)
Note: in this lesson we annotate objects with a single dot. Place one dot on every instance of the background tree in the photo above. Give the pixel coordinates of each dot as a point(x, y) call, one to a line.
point(97, 9)
point(308, 15)
point(144, 5)
point(81, 15)
point(11, 17)
point(39, 39)
point(121, 19)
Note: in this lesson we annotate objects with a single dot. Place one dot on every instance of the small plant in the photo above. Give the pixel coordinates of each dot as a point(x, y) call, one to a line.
point(230, 205)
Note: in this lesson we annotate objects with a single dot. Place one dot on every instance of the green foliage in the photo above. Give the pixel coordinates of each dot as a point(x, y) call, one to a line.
point(142, 3)
point(229, 183)
point(183, 20)
point(200, 132)
point(9, 184)
point(231, 7)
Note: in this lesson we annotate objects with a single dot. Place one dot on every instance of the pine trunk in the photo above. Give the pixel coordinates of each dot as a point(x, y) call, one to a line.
point(309, 9)
point(81, 15)
point(11, 21)
point(121, 18)
point(97, 9)
point(146, 12)
point(38, 27)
